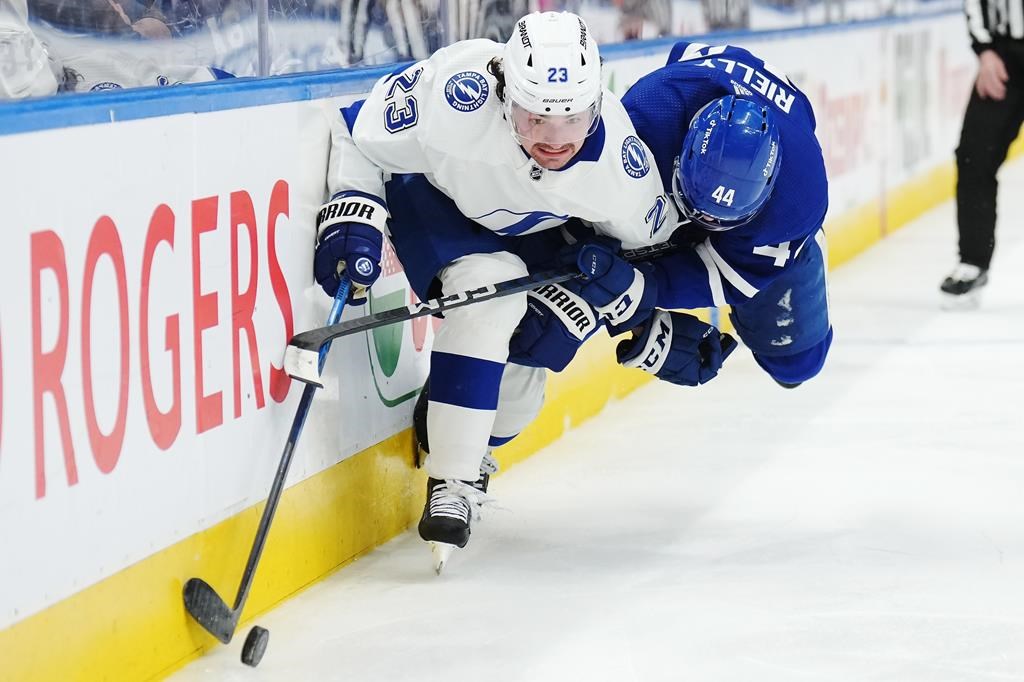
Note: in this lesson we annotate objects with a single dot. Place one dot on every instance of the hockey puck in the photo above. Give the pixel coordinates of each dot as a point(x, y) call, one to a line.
point(255, 645)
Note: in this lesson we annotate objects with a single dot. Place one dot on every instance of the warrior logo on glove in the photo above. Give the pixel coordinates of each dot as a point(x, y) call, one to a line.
point(350, 239)
point(364, 266)
point(345, 209)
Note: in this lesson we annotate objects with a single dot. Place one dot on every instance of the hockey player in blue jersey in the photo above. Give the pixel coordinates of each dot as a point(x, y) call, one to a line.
point(748, 175)
point(733, 140)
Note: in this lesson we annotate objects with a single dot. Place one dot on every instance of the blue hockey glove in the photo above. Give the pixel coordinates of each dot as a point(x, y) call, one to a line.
point(556, 324)
point(350, 239)
point(621, 293)
point(677, 348)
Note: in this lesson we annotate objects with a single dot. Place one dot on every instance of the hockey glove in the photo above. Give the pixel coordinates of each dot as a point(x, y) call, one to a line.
point(556, 324)
point(350, 238)
point(621, 293)
point(677, 348)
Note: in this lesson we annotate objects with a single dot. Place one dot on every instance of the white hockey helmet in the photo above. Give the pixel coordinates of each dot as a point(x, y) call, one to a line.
point(552, 78)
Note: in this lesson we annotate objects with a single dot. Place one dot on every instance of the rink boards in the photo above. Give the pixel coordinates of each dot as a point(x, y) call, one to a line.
point(157, 258)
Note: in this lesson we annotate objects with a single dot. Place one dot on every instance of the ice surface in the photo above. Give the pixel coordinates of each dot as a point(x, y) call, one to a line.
point(868, 525)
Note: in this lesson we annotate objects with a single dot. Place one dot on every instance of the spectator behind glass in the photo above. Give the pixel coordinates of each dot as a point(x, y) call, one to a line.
point(24, 61)
point(645, 18)
point(116, 44)
point(111, 17)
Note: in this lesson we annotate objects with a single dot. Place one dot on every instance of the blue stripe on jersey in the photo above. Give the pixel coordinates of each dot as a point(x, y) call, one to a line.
point(351, 113)
point(496, 441)
point(528, 222)
point(464, 381)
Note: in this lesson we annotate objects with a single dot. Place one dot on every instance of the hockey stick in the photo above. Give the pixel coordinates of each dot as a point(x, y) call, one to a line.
point(301, 356)
point(201, 600)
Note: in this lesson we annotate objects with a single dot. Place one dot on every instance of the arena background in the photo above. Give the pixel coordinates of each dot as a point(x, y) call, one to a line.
point(158, 258)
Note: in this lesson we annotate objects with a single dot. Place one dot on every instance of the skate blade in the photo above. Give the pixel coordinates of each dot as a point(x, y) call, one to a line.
point(964, 302)
point(441, 552)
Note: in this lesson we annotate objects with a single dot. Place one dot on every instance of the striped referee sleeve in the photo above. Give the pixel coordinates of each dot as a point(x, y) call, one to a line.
point(1016, 11)
point(978, 23)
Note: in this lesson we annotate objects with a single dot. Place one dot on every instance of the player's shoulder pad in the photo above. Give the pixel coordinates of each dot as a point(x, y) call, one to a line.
point(686, 50)
point(678, 50)
point(622, 145)
point(460, 80)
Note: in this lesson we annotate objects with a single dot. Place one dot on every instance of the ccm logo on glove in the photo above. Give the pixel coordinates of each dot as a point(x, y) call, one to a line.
point(662, 333)
point(677, 348)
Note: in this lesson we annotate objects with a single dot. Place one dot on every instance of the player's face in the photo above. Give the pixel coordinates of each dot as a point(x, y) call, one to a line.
point(552, 141)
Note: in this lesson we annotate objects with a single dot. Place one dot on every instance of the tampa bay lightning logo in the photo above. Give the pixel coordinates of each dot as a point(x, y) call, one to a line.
point(466, 91)
point(634, 158)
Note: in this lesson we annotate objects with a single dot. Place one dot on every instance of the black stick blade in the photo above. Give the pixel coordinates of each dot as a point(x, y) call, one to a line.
point(209, 610)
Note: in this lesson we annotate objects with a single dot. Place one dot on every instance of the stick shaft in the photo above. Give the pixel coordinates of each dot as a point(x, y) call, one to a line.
point(277, 488)
point(314, 339)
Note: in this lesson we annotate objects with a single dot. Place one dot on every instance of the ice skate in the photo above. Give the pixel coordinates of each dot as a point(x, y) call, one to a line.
point(450, 508)
point(441, 552)
point(962, 289)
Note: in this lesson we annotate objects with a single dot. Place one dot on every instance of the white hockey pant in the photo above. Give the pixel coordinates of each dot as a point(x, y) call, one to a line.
point(467, 363)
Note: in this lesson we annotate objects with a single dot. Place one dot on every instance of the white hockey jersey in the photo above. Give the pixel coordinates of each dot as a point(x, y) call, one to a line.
point(441, 117)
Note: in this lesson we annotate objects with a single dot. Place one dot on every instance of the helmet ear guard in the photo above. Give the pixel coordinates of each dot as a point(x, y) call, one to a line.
point(728, 164)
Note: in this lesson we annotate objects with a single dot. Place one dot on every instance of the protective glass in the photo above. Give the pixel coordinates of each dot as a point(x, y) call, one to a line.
point(553, 129)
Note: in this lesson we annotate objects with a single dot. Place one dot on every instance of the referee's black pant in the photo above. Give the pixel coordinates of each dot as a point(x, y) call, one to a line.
point(990, 127)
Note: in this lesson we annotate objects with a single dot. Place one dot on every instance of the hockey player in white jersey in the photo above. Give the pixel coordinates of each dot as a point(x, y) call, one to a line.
point(457, 157)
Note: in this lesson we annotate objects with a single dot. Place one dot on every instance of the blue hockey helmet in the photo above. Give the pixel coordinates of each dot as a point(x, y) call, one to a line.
point(728, 164)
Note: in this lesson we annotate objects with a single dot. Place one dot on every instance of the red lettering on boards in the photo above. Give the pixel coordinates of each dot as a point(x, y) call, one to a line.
point(209, 408)
point(47, 253)
point(52, 305)
point(243, 304)
point(106, 448)
point(163, 426)
point(280, 382)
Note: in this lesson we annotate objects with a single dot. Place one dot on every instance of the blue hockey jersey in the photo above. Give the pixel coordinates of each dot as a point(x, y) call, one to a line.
point(731, 267)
